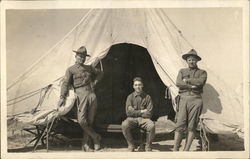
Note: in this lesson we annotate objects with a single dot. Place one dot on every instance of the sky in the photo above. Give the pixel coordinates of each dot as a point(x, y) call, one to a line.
point(216, 33)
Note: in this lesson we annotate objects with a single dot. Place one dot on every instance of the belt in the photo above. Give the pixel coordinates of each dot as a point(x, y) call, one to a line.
point(85, 87)
point(82, 85)
point(189, 93)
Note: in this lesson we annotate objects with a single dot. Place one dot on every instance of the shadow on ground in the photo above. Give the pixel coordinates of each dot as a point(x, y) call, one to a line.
point(25, 149)
point(115, 142)
point(110, 142)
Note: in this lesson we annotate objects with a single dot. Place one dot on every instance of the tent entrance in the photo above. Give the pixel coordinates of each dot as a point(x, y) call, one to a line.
point(122, 63)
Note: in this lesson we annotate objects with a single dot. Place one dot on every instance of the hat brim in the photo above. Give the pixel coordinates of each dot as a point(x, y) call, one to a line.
point(81, 53)
point(185, 56)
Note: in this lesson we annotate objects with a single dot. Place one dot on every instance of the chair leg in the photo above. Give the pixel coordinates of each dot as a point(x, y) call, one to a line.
point(40, 136)
point(42, 141)
point(49, 131)
point(31, 141)
point(33, 133)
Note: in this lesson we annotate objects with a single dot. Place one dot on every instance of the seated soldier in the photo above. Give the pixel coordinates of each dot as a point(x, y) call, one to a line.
point(139, 108)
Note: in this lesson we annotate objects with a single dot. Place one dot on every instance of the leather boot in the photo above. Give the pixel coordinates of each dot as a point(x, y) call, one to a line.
point(149, 139)
point(177, 140)
point(142, 139)
point(85, 146)
point(97, 140)
point(128, 136)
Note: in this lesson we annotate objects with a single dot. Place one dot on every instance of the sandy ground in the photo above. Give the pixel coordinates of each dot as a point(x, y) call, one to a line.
point(116, 142)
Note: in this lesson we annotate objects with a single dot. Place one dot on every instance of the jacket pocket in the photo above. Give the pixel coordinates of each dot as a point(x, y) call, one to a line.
point(78, 78)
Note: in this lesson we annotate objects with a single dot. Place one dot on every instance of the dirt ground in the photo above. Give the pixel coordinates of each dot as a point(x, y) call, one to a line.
point(116, 142)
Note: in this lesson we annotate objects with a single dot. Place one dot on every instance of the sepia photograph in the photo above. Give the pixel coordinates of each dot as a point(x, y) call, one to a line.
point(125, 79)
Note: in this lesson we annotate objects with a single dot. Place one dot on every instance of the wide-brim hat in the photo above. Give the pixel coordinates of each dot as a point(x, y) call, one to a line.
point(192, 52)
point(82, 50)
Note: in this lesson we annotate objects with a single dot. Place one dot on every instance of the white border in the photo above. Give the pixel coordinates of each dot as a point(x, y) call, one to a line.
point(246, 74)
point(122, 4)
point(244, 4)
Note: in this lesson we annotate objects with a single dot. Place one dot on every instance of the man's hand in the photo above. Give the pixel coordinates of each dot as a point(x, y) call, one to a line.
point(61, 102)
point(95, 82)
point(143, 111)
point(185, 80)
point(130, 108)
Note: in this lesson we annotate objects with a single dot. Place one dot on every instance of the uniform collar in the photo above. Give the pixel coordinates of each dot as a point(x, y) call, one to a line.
point(142, 94)
point(196, 68)
point(79, 65)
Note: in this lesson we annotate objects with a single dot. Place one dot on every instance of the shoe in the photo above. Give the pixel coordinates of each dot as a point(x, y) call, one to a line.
point(131, 148)
point(86, 148)
point(97, 141)
point(141, 148)
point(148, 148)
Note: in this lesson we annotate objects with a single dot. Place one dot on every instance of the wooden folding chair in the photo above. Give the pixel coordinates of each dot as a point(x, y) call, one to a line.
point(41, 134)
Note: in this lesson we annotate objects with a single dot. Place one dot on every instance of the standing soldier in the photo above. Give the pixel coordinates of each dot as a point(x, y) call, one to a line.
point(82, 78)
point(190, 82)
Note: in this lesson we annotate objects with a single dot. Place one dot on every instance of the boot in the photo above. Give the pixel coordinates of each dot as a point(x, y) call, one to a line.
point(129, 139)
point(131, 148)
point(190, 137)
point(177, 140)
point(141, 147)
point(142, 139)
point(86, 148)
point(97, 140)
point(85, 144)
point(149, 139)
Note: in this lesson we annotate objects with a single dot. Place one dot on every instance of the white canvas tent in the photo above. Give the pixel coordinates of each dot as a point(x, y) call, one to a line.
point(152, 29)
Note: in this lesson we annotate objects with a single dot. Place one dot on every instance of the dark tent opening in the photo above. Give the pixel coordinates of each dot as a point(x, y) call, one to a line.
point(122, 63)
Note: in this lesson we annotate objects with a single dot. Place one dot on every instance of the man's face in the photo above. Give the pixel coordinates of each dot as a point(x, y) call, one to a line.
point(192, 61)
point(138, 85)
point(80, 58)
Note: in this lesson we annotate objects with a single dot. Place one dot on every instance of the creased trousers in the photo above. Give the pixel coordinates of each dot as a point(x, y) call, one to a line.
point(86, 109)
point(190, 108)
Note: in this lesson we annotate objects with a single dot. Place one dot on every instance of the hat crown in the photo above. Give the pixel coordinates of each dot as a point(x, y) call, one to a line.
point(82, 49)
point(192, 52)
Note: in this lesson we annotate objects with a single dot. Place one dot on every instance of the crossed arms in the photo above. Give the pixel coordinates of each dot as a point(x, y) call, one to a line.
point(145, 112)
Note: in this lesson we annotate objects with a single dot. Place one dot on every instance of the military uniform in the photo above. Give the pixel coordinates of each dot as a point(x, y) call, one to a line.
point(82, 78)
point(134, 104)
point(190, 104)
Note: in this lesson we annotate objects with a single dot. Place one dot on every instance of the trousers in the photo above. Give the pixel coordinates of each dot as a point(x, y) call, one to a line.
point(190, 108)
point(86, 110)
point(143, 123)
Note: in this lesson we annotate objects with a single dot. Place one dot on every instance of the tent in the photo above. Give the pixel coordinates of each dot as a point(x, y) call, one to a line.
point(101, 30)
